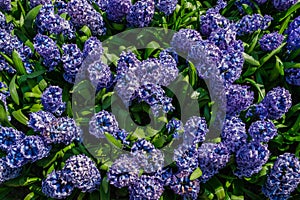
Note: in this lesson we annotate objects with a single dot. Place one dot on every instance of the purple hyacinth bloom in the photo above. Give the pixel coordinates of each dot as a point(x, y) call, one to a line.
point(9, 136)
point(250, 158)
point(141, 13)
point(4, 93)
point(212, 20)
point(257, 112)
point(123, 172)
point(61, 130)
point(30, 149)
point(48, 50)
point(4, 66)
point(239, 98)
point(283, 178)
point(184, 39)
point(166, 6)
point(250, 23)
point(8, 27)
point(293, 32)
point(186, 158)
point(278, 101)
point(34, 3)
point(212, 157)
point(239, 5)
point(234, 134)
point(82, 172)
point(82, 13)
point(102, 4)
point(92, 46)
point(271, 41)
point(6, 172)
point(48, 21)
point(146, 187)
point(195, 130)
point(292, 76)
point(142, 145)
point(40, 120)
point(262, 131)
point(181, 184)
point(118, 9)
point(55, 186)
point(72, 59)
point(283, 5)
point(52, 100)
point(5, 5)
point(127, 60)
point(61, 6)
point(103, 122)
point(175, 126)
point(100, 75)
point(223, 38)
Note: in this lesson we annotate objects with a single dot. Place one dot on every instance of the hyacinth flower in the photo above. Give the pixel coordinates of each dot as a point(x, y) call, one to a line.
point(72, 59)
point(251, 23)
point(175, 126)
point(141, 13)
point(118, 9)
point(4, 93)
point(82, 13)
point(40, 120)
point(239, 5)
point(278, 101)
point(292, 76)
point(262, 131)
point(56, 186)
point(250, 158)
point(5, 5)
point(82, 172)
point(166, 6)
point(293, 32)
point(211, 158)
point(283, 178)
point(6, 172)
point(100, 75)
point(195, 130)
point(34, 3)
point(257, 112)
point(28, 150)
point(49, 22)
point(234, 134)
point(48, 50)
point(61, 130)
point(4, 66)
point(92, 46)
point(271, 41)
point(102, 4)
point(9, 136)
point(52, 100)
point(239, 98)
point(186, 158)
point(146, 187)
point(283, 5)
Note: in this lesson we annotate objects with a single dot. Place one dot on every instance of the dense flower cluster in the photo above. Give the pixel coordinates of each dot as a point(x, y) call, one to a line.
point(292, 76)
point(82, 13)
point(34, 3)
point(92, 46)
point(283, 4)
point(5, 5)
point(271, 41)
point(293, 33)
point(4, 93)
point(278, 101)
point(9, 136)
point(250, 158)
point(183, 40)
point(174, 126)
point(257, 112)
point(52, 100)
point(195, 130)
point(100, 75)
point(262, 131)
point(118, 9)
point(166, 6)
point(40, 120)
point(186, 158)
point(6, 172)
point(250, 23)
point(283, 178)
point(141, 13)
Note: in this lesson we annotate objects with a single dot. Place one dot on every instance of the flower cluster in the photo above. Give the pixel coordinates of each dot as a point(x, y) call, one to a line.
point(40, 120)
point(271, 41)
point(282, 5)
point(293, 33)
point(9, 136)
point(118, 9)
point(82, 13)
point(5, 5)
point(186, 158)
point(141, 13)
point(278, 101)
point(48, 50)
point(92, 46)
point(283, 178)
point(52, 100)
point(292, 76)
point(100, 75)
point(49, 22)
point(250, 158)
point(166, 6)
point(195, 130)
point(262, 131)
point(174, 126)
point(6, 172)
point(79, 172)
point(250, 23)
point(257, 112)
point(34, 3)
point(4, 66)
point(4, 93)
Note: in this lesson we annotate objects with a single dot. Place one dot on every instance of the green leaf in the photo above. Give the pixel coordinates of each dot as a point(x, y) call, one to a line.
point(290, 10)
point(264, 59)
point(105, 185)
point(218, 187)
point(30, 17)
point(249, 59)
point(86, 30)
point(18, 63)
point(35, 74)
point(288, 65)
point(13, 90)
point(18, 115)
point(150, 48)
point(247, 9)
point(196, 174)
point(113, 140)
